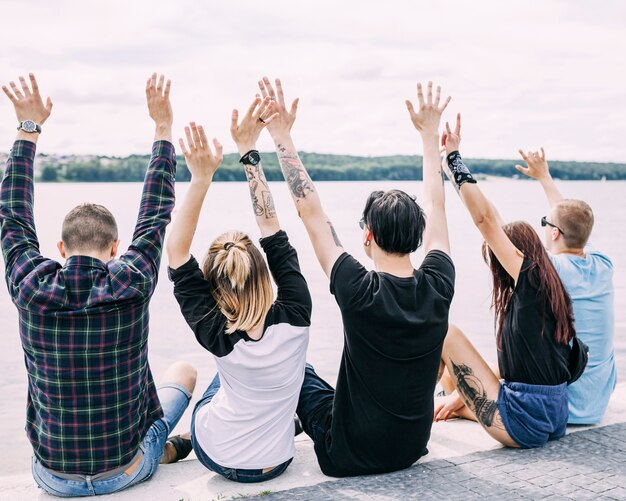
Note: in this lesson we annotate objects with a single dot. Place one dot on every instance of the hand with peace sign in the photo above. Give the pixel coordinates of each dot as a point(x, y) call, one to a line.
point(451, 140)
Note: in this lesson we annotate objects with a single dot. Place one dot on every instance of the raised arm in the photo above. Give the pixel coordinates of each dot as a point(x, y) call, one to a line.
point(483, 212)
point(537, 168)
point(202, 164)
point(157, 199)
point(426, 121)
point(318, 225)
point(245, 135)
point(20, 246)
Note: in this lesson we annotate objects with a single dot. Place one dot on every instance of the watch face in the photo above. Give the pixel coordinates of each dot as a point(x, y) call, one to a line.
point(29, 126)
point(254, 158)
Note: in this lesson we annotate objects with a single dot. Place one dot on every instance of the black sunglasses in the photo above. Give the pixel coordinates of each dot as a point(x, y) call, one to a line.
point(362, 223)
point(545, 222)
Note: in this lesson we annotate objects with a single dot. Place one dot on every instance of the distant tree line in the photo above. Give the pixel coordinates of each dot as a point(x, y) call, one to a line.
point(322, 167)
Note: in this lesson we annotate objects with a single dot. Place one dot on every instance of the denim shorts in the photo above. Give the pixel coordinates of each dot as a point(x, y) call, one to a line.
point(174, 400)
point(235, 474)
point(533, 414)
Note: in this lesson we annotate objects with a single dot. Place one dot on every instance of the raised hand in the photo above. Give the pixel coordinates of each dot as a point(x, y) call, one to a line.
point(246, 133)
point(428, 116)
point(27, 102)
point(451, 140)
point(201, 161)
point(537, 165)
point(284, 120)
point(158, 96)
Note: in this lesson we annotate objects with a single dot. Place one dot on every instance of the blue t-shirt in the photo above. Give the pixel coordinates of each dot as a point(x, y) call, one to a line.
point(589, 282)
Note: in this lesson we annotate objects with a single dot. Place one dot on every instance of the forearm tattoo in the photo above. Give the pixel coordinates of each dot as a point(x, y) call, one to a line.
point(475, 397)
point(335, 237)
point(262, 203)
point(294, 172)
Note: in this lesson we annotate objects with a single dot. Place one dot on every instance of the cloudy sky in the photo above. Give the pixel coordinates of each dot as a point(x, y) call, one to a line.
point(523, 74)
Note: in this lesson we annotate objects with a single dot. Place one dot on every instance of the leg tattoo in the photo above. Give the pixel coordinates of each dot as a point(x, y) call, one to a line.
point(475, 396)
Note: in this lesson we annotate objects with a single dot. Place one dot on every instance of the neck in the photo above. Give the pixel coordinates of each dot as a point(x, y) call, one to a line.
point(104, 257)
point(394, 264)
point(567, 250)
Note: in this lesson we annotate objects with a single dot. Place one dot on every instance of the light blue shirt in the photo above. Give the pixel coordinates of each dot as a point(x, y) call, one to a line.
point(589, 282)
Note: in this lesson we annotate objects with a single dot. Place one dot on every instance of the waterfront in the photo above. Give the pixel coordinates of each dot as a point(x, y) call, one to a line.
point(228, 207)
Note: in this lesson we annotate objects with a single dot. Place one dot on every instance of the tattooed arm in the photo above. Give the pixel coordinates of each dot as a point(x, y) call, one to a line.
point(426, 121)
point(306, 199)
point(245, 135)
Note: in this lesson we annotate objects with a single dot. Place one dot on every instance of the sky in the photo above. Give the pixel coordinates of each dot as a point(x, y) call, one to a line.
point(523, 74)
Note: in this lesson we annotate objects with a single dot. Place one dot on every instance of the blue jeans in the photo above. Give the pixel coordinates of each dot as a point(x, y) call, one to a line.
point(315, 405)
point(174, 400)
point(235, 474)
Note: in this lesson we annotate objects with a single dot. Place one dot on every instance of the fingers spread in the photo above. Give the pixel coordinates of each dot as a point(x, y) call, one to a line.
point(294, 107)
point(33, 83)
point(16, 91)
point(218, 149)
point(233, 121)
point(420, 95)
point(8, 93)
point(189, 138)
point(24, 86)
point(445, 104)
point(183, 147)
point(196, 135)
point(281, 96)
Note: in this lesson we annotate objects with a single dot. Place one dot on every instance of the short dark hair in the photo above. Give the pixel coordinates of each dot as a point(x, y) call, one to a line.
point(89, 227)
point(396, 221)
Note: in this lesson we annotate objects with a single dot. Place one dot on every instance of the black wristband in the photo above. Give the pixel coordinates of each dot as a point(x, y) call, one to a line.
point(460, 172)
point(251, 158)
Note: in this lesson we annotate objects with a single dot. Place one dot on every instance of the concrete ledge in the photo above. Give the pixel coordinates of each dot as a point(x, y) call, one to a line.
point(189, 480)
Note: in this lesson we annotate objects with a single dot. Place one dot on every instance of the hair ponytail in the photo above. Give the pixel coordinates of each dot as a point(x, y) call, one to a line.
point(239, 280)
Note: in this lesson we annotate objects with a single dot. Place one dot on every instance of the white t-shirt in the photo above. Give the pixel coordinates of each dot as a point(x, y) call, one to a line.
point(249, 422)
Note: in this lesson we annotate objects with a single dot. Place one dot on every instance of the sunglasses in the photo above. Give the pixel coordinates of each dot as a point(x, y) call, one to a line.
point(545, 222)
point(362, 223)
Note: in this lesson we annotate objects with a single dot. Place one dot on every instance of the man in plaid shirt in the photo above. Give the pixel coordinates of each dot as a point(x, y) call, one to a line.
point(94, 417)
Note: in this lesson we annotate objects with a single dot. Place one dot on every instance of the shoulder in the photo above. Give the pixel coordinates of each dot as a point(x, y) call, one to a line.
point(439, 266)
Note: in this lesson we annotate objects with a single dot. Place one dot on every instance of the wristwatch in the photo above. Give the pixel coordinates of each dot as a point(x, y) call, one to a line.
point(251, 158)
point(29, 126)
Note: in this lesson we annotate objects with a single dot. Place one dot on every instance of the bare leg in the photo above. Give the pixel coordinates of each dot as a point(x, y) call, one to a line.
point(184, 374)
point(476, 383)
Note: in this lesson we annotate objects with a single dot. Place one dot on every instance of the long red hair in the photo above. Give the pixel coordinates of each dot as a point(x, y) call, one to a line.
point(542, 276)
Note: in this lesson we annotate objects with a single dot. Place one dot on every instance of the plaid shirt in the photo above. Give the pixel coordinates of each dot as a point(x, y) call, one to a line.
point(84, 326)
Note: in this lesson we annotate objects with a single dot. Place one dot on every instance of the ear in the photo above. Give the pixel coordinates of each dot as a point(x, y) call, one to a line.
point(114, 248)
point(61, 248)
point(556, 234)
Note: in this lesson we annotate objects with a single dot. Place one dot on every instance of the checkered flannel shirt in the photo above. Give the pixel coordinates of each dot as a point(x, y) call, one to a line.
point(84, 326)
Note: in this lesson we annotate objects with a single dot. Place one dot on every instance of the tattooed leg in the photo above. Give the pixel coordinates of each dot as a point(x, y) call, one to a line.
point(475, 396)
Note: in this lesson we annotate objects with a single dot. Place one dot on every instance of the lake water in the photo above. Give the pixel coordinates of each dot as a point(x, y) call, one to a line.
point(228, 207)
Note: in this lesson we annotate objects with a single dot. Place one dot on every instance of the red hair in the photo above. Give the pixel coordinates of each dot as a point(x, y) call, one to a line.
point(542, 276)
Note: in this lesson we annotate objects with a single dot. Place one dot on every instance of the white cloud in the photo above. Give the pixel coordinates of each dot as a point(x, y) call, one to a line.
point(527, 74)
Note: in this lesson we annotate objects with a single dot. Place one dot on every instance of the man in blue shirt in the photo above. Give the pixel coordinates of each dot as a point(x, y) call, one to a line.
point(587, 274)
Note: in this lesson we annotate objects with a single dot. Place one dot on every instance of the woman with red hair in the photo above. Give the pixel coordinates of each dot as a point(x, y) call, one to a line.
point(534, 328)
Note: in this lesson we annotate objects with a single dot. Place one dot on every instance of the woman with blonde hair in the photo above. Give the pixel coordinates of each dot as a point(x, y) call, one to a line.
point(243, 426)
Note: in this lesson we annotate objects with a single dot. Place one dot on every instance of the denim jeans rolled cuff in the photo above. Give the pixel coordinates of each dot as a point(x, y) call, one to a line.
point(174, 400)
point(533, 414)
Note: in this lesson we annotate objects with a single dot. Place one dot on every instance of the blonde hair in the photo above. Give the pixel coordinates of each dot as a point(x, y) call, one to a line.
point(575, 218)
point(239, 279)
